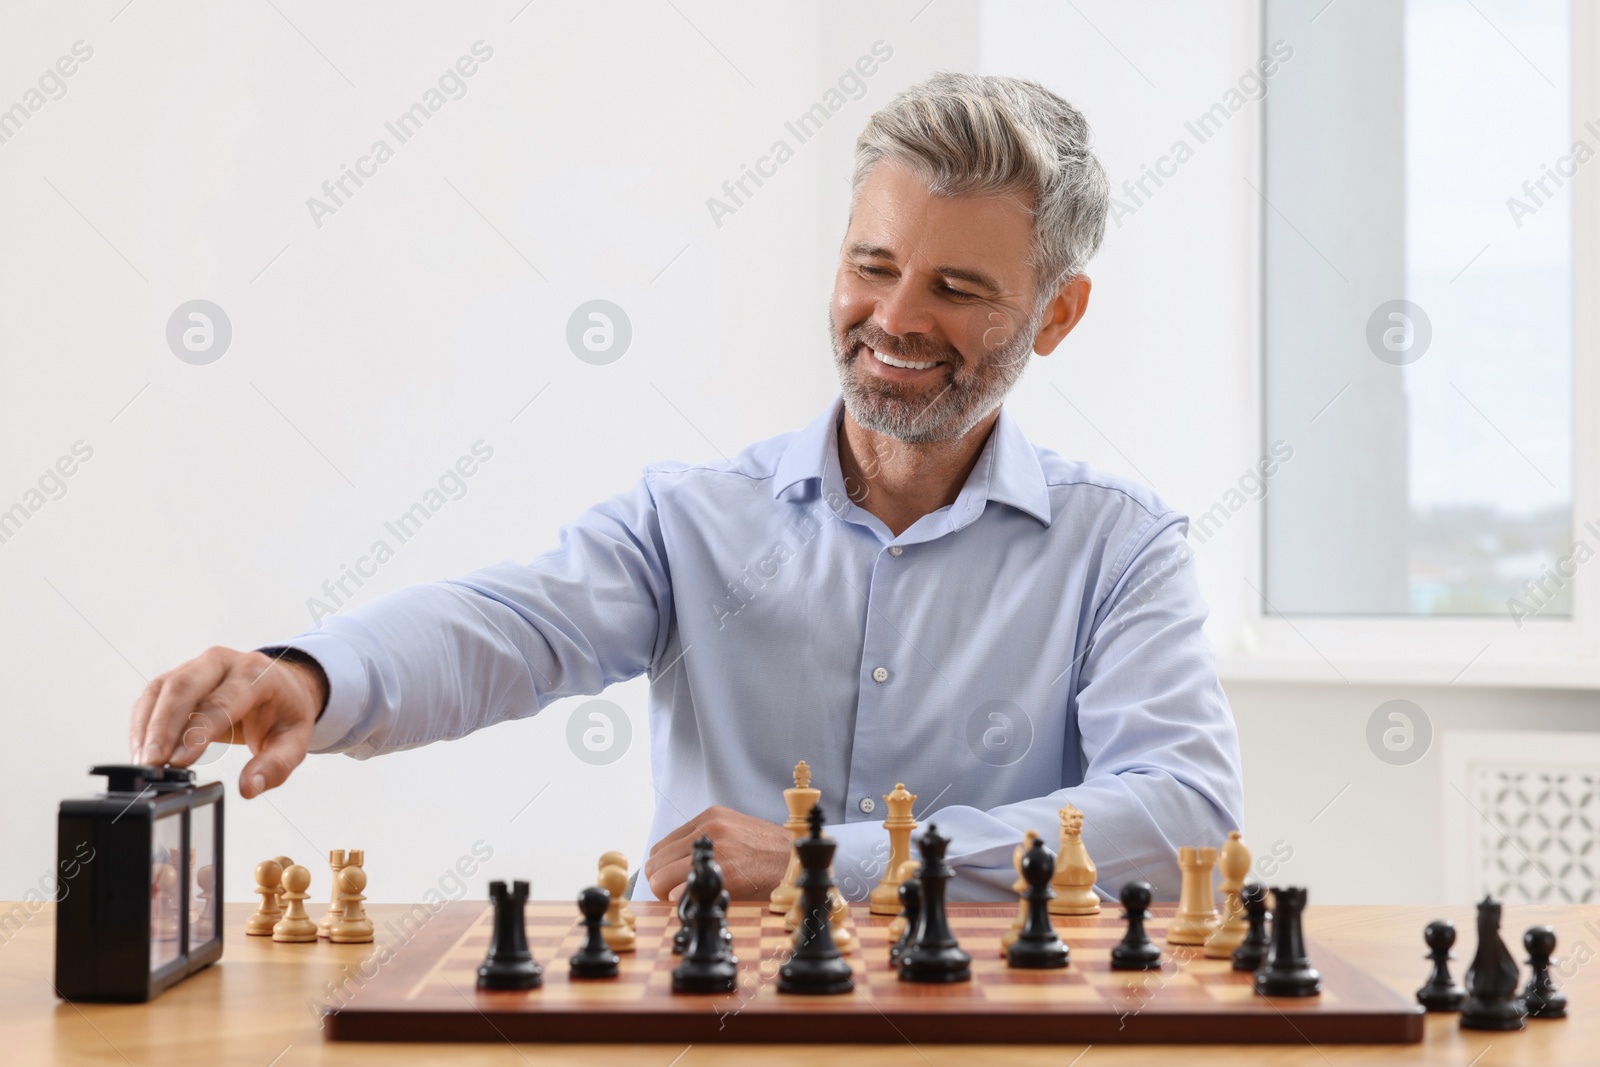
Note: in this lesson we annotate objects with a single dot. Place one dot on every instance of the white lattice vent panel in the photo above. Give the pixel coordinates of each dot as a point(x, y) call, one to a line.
point(1522, 816)
point(1536, 840)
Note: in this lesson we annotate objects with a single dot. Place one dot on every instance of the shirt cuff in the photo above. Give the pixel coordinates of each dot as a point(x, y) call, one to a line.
point(347, 687)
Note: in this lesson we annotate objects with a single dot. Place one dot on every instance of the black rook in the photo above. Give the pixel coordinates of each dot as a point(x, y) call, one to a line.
point(509, 964)
point(1288, 971)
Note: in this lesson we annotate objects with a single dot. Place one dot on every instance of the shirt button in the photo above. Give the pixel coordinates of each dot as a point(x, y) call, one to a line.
point(867, 805)
point(880, 674)
point(895, 550)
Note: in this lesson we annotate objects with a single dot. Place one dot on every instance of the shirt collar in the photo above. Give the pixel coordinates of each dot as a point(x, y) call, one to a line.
point(1007, 471)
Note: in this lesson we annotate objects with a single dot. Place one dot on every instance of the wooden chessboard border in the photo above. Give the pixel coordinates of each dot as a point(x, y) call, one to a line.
point(423, 993)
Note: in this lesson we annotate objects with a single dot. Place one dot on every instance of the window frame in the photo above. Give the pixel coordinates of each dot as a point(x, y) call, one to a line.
point(1445, 650)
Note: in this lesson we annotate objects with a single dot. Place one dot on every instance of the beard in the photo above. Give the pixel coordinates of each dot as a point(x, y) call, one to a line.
point(945, 409)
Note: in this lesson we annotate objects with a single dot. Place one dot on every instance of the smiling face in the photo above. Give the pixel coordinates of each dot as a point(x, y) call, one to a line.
point(933, 314)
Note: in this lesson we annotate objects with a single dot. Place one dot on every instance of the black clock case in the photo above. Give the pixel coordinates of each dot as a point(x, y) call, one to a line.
point(103, 922)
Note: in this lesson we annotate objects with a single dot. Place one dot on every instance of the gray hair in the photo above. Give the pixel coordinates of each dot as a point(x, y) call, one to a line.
point(985, 135)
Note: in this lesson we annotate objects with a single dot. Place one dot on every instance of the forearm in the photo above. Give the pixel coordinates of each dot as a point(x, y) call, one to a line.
point(438, 661)
point(1134, 825)
point(1133, 828)
point(422, 664)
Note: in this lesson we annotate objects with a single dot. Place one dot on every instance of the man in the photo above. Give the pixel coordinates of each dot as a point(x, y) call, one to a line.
point(905, 590)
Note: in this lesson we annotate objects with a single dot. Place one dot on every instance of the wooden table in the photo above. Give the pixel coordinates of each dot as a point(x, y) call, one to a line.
point(256, 1008)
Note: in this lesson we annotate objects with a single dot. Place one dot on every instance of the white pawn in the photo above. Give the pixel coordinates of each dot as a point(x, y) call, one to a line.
point(295, 925)
point(353, 927)
point(1018, 887)
point(284, 863)
point(618, 934)
point(906, 873)
point(617, 859)
point(268, 877)
point(844, 938)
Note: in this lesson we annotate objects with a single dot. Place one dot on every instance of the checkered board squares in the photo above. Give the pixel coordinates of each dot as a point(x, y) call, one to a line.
point(428, 990)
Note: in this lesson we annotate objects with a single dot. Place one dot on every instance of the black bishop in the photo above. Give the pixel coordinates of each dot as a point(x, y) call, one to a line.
point(709, 965)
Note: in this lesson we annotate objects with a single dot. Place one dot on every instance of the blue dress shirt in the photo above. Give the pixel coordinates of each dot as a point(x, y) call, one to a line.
point(1035, 643)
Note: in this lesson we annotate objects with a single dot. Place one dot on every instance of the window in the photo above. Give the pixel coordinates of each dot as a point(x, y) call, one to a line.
point(1419, 161)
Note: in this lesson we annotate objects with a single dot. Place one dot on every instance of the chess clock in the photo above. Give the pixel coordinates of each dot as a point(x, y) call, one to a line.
point(139, 905)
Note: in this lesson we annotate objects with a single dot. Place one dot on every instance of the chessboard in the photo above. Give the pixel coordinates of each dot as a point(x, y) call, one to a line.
point(426, 990)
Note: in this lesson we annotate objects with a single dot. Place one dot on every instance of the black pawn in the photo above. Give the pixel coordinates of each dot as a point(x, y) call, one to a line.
point(1492, 1002)
point(815, 966)
point(1252, 951)
point(911, 909)
point(1440, 992)
point(595, 958)
point(708, 965)
point(1038, 947)
point(509, 964)
point(1544, 1000)
point(1288, 971)
point(933, 954)
point(1135, 952)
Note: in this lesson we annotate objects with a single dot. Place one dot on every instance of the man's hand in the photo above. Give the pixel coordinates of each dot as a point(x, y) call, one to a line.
point(753, 854)
point(226, 697)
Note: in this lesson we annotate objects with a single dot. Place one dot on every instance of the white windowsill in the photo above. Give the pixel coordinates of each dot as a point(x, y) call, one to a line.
point(1510, 674)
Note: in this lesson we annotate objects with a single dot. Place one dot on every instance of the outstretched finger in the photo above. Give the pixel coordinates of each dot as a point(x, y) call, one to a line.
point(139, 717)
point(281, 751)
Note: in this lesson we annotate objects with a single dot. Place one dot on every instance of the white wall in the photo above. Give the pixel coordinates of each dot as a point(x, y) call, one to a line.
point(375, 350)
point(1360, 830)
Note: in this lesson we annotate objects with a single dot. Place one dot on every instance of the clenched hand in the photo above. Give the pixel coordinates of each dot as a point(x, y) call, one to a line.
point(753, 854)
